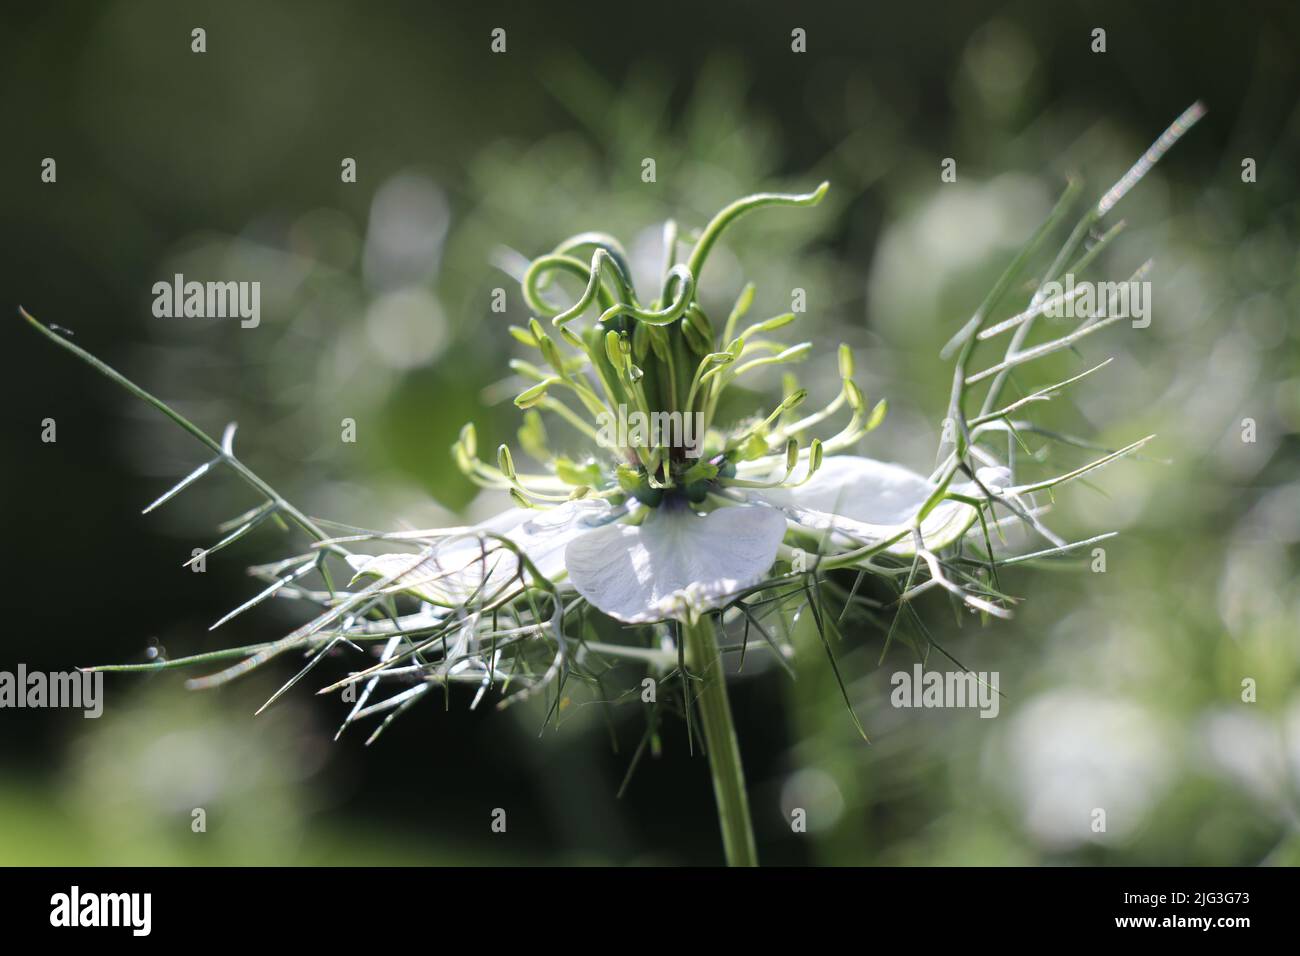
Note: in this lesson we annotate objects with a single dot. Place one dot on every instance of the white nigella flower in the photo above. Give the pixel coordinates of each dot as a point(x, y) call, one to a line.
point(670, 515)
point(674, 521)
point(640, 564)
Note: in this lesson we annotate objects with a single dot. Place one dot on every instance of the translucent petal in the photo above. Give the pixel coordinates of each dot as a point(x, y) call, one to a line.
point(873, 501)
point(461, 565)
point(674, 558)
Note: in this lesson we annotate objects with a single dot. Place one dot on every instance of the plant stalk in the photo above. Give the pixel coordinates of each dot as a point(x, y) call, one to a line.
point(705, 664)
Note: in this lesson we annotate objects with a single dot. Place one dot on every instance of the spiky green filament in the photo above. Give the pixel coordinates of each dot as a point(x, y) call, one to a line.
point(665, 363)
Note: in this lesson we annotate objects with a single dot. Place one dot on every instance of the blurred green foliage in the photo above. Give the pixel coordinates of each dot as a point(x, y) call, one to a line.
point(1123, 688)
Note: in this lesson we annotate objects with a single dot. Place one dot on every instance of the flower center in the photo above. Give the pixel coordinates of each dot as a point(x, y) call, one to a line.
point(644, 382)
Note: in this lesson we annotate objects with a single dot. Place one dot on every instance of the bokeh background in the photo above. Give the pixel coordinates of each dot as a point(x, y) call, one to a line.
point(1123, 688)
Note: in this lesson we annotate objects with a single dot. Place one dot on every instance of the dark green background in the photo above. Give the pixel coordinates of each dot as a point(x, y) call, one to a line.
point(161, 150)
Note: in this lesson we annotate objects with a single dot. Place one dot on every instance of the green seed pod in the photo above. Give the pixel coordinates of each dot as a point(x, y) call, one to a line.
point(697, 343)
point(469, 439)
point(572, 338)
point(795, 353)
point(552, 354)
point(522, 335)
point(526, 369)
point(505, 462)
point(613, 351)
point(658, 336)
point(640, 342)
point(768, 325)
point(846, 362)
point(463, 462)
point(700, 322)
point(531, 396)
point(877, 415)
point(857, 401)
point(743, 302)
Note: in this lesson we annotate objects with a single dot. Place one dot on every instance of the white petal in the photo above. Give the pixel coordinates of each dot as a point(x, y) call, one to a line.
point(456, 567)
point(873, 501)
point(543, 535)
point(642, 573)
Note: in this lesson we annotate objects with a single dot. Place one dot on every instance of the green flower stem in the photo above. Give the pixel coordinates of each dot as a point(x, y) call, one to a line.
point(705, 663)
